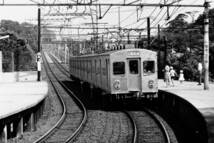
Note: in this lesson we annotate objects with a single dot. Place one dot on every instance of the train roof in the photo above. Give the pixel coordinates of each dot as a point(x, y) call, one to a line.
point(115, 51)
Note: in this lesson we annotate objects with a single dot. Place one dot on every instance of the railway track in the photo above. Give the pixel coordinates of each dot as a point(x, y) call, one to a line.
point(74, 114)
point(133, 139)
point(134, 126)
point(145, 128)
point(150, 128)
point(60, 66)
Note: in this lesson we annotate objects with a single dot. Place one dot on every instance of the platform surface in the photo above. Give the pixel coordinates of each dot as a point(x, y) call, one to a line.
point(22, 95)
point(27, 76)
point(202, 99)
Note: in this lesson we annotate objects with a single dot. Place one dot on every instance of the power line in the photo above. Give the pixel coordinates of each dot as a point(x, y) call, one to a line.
point(100, 4)
point(68, 14)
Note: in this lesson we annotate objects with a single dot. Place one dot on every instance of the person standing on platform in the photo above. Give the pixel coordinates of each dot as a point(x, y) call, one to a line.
point(167, 75)
point(181, 76)
point(200, 72)
point(172, 75)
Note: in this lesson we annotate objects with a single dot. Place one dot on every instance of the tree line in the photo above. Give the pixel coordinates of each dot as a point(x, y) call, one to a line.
point(19, 49)
point(183, 44)
point(181, 41)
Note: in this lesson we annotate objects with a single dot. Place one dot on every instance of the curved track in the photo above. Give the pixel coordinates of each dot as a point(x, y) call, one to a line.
point(66, 72)
point(61, 68)
point(66, 129)
point(161, 125)
point(149, 127)
point(157, 124)
point(134, 138)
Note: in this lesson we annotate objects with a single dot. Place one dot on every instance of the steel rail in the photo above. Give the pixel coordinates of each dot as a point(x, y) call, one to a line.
point(134, 139)
point(160, 124)
point(79, 102)
point(60, 67)
point(60, 121)
point(81, 105)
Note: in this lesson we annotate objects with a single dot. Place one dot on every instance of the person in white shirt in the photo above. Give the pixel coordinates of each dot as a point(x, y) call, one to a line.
point(200, 72)
point(167, 75)
point(172, 75)
point(181, 76)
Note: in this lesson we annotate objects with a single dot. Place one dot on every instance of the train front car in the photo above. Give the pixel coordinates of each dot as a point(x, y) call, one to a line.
point(134, 73)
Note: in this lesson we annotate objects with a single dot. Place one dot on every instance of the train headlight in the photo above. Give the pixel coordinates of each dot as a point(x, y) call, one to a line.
point(116, 84)
point(151, 84)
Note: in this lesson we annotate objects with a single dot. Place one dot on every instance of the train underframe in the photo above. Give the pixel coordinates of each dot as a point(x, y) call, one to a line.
point(93, 91)
point(137, 95)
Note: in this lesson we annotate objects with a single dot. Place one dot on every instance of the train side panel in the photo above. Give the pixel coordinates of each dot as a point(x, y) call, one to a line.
point(149, 72)
point(118, 72)
point(105, 73)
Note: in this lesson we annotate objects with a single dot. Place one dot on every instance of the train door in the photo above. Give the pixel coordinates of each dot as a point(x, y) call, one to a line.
point(134, 76)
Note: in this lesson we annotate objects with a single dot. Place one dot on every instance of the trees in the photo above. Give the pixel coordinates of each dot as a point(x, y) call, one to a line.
point(21, 43)
point(186, 39)
point(185, 44)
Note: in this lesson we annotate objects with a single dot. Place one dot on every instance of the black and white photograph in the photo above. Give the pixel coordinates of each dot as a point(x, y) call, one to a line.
point(106, 71)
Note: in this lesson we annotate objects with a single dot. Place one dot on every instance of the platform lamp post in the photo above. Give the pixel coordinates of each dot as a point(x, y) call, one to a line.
point(39, 48)
point(206, 45)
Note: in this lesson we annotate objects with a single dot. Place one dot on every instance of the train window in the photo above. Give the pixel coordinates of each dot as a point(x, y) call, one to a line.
point(118, 68)
point(148, 67)
point(133, 66)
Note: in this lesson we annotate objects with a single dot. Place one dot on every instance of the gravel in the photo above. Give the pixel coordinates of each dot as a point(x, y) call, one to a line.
point(103, 126)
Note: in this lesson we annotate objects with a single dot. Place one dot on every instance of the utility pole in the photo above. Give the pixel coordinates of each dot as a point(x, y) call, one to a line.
point(165, 50)
point(97, 31)
point(102, 44)
point(160, 66)
point(39, 53)
point(12, 62)
point(159, 35)
point(148, 32)
point(206, 45)
point(128, 38)
point(119, 25)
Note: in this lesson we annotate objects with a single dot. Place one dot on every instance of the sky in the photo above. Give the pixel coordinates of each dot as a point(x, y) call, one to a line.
point(24, 13)
point(128, 16)
point(20, 14)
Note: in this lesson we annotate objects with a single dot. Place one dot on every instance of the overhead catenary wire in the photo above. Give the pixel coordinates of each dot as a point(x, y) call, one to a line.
point(156, 20)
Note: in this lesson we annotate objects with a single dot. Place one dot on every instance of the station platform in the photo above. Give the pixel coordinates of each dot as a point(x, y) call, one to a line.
point(19, 92)
point(16, 97)
point(202, 100)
